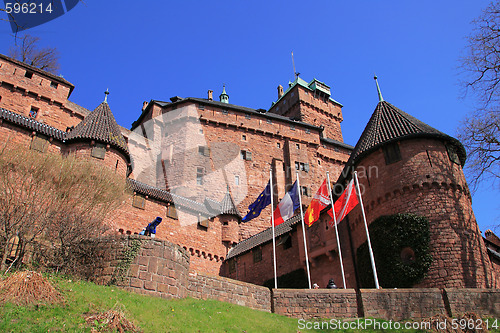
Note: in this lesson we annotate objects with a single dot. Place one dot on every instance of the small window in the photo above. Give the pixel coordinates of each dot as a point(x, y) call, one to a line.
point(204, 151)
point(297, 145)
point(297, 165)
point(232, 266)
point(246, 155)
point(39, 143)
point(257, 254)
point(247, 116)
point(201, 130)
point(452, 154)
point(304, 190)
point(139, 201)
point(28, 74)
point(236, 180)
point(99, 151)
point(199, 176)
point(244, 137)
point(203, 221)
point(225, 112)
point(392, 153)
point(278, 145)
point(54, 84)
point(292, 127)
point(201, 106)
point(319, 162)
point(33, 112)
point(172, 212)
point(269, 121)
point(308, 131)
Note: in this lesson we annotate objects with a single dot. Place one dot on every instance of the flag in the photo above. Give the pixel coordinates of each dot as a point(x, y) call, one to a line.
point(347, 201)
point(287, 206)
point(320, 201)
point(262, 202)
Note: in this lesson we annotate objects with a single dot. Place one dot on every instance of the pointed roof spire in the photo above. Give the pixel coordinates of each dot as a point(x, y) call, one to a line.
point(390, 124)
point(224, 97)
point(380, 98)
point(106, 93)
point(100, 125)
point(227, 205)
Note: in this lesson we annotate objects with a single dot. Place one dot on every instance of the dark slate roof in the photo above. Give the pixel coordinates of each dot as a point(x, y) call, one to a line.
point(263, 237)
point(213, 206)
point(40, 71)
point(77, 108)
point(167, 197)
point(389, 124)
point(228, 207)
point(227, 107)
point(100, 125)
point(31, 124)
point(337, 143)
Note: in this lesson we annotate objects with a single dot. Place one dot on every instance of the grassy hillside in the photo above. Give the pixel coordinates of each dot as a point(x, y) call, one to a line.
point(150, 314)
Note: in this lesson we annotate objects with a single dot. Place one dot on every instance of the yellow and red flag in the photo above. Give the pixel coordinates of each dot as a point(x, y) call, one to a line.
point(320, 201)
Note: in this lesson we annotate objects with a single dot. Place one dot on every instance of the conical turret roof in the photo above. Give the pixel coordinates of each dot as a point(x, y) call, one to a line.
point(227, 205)
point(100, 125)
point(388, 124)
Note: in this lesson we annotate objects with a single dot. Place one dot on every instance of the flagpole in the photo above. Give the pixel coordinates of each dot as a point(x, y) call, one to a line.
point(336, 230)
point(303, 231)
point(367, 233)
point(272, 223)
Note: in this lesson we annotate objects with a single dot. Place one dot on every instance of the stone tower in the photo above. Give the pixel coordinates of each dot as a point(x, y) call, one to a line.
point(406, 166)
point(98, 136)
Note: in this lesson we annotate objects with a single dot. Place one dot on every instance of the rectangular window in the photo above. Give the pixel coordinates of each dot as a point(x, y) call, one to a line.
point(244, 137)
point(232, 266)
point(225, 112)
point(204, 151)
point(304, 190)
point(199, 176)
point(172, 212)
point(257, 254)
point(247, 116)
point(308, 131)
point(278, 145)
point(33, 112)
point(269, 121)
point(39, 143)
point(292, 127)
point(54, 84)
point(203, 221)
point(246, 155)
point(392, 153)
point(28, 74)
point(452, 154)
point(297, 165)
point(297, 145)
point(138, 201)
point(98, 151)
point(201, 106)
point(236, 180)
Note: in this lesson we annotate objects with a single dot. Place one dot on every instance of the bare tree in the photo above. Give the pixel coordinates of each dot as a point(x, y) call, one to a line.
point(480, 132)
point(53, 200)
point(28, 51)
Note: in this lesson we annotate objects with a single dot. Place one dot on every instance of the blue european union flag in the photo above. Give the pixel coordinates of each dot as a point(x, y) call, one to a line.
point(262, 202)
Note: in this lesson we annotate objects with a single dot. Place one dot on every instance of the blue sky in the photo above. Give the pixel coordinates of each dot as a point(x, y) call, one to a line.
point(159, 49)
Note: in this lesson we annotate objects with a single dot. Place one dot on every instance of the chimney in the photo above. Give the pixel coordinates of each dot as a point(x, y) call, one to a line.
point(280, 91)
point(144, 105)
point(210, 95)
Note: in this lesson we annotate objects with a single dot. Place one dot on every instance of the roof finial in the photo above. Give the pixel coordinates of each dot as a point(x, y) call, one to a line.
point(224, 97)
point(380, 98)
point(106, 93)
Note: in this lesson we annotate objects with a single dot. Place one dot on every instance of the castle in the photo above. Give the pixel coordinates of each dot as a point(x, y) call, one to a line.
point(199, 163)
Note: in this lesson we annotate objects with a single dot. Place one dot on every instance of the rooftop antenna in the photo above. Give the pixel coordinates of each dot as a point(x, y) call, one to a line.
point(294, 71)
point(106, 93)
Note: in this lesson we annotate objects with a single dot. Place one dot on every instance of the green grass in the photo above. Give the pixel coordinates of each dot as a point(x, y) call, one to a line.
point(150, 314)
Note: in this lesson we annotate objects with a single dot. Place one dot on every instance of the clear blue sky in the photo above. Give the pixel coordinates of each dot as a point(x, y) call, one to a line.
point(159, 49)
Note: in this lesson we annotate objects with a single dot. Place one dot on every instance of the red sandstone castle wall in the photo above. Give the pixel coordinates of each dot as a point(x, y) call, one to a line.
point(425, 182)
point(19, 93)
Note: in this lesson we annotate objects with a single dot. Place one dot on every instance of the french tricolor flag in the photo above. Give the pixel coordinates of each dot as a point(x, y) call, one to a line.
point(287, 206)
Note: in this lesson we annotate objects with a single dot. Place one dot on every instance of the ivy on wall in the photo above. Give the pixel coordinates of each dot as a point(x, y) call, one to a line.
point(400, 245)
point(128, 255)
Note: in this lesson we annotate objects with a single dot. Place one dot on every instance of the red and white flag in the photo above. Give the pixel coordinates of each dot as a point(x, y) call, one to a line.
point(347, 201)
point(320, 201)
